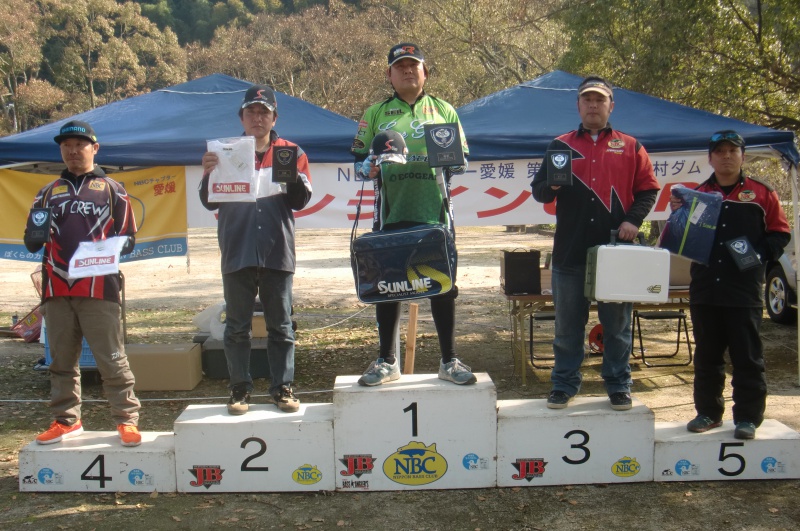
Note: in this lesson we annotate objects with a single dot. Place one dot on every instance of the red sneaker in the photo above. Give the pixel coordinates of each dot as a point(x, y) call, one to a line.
point(57, 432)
point(129, 435)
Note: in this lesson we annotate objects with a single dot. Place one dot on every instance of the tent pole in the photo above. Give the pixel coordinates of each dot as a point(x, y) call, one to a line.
point(795, 229)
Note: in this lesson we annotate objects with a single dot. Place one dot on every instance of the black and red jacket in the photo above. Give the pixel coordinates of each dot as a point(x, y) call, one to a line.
point(613, 182)
point(88, 207)
point(751, 209)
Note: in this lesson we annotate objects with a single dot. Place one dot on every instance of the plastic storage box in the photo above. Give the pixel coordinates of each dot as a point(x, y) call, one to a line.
point(87, 358)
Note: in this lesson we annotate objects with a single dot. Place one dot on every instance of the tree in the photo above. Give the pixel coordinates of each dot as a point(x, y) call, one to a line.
point(21, 37)
point(109, 51)
point(740, 58)
point(333, 59)
point(476, 47)
point(335, 56)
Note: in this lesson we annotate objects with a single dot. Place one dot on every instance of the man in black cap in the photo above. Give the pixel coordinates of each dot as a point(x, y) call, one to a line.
point(407, 195)
point(613, 188)
point(725, 296)
point(85, 205)
point(258, 257)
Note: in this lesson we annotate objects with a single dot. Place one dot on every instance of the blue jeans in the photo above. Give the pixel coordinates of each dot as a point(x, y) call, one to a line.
point(274, 288)
point(572, 315)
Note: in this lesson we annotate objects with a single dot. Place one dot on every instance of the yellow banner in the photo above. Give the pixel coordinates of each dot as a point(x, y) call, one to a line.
point(158, 197)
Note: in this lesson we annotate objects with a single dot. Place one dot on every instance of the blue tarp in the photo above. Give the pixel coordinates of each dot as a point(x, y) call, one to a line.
point(169, 127)
point(519, 122)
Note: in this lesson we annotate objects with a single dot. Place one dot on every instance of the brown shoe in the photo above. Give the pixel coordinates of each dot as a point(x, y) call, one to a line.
point(239, 402)
point(285, 400)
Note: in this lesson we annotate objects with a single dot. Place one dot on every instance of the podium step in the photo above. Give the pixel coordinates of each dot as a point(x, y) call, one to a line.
point(97, 462)
point(587, 442)
point(716, 455)
point(418, 432)
point(264, 450)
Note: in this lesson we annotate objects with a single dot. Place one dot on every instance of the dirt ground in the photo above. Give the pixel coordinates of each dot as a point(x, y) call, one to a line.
point(336, 336)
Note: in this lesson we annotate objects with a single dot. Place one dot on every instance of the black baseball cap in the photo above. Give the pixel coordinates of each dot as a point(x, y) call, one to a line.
point(76, 129)
point(262, 94)
point(728, 135)
point(389, 146)
point(403, 50)
point(596, 84)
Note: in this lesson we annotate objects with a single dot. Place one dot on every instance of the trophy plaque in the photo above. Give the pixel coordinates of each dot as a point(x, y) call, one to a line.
point(559, 168)
point(444, 145)
point(284, 164)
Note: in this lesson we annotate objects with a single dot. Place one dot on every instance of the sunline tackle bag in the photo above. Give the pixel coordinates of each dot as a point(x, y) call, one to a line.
point(404, 264)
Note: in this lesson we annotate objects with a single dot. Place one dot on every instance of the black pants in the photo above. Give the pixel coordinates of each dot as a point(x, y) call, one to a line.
point(717, 328)
point(443, 310)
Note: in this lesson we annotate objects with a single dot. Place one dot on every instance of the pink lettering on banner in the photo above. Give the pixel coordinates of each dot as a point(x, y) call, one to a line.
point(231, 188)
point(95, 261)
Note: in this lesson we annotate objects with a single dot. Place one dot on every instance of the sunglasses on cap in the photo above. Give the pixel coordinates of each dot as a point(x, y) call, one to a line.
point(732, 137)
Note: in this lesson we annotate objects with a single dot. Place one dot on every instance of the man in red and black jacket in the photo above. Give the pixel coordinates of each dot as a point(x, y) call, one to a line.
point(726, 295)
point(613, 188)
point(86, 206)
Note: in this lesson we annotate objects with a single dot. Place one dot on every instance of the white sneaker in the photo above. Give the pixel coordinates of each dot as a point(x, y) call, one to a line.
point(379, 371)
point(456, 372)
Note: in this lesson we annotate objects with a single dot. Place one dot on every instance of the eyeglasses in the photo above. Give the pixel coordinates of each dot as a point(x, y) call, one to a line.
point(719, 137)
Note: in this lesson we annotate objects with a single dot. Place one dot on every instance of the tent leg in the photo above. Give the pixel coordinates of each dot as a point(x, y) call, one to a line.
point(795, 229)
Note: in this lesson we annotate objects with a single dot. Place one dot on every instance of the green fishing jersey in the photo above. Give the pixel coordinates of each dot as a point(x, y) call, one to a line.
point(408, 192)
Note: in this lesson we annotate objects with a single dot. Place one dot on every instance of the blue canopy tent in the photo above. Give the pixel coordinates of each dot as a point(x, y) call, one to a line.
point(169, 127)
point(519, 122)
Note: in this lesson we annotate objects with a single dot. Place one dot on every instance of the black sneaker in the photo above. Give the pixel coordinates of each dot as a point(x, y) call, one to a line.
point(558, 400)
point(701, 424)
point(745, 430)
point(285, 400)
point(620, 401)
point(239, 402)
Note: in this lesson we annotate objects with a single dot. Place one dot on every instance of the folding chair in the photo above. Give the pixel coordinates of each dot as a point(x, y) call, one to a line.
point(538, 316)
point(678, 315)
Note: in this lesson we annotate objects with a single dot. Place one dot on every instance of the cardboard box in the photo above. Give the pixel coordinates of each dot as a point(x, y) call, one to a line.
point(171, 367)
point(259, 328)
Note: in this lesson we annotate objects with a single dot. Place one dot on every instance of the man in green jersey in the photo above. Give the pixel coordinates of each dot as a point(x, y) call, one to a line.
point(407, 195)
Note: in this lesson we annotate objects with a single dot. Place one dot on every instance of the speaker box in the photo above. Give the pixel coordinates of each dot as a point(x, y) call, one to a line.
point(519, 272)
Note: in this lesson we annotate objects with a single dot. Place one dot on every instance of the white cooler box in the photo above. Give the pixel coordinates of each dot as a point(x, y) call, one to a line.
point(627, 273)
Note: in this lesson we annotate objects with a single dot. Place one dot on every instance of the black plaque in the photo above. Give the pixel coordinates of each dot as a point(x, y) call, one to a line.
point(443, 142)
point(284, 164)
point(38, 228)
point(743, 253)
point(559, 168)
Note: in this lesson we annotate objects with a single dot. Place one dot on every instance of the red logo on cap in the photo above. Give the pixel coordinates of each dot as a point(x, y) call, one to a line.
point(259, 94)
point(389, 146)
point(408, 49)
